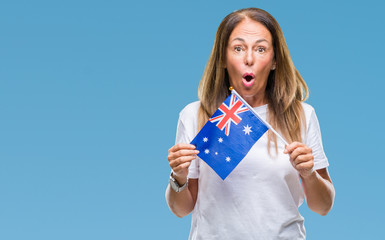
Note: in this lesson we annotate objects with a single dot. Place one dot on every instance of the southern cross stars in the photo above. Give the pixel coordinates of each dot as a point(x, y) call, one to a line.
point(247, 130)
point(220, 140)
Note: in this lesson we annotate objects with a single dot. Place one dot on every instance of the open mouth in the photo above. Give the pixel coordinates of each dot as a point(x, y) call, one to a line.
point(248, 79)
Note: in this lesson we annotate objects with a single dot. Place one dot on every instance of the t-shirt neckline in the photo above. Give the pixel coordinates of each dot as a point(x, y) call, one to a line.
point(260, 109)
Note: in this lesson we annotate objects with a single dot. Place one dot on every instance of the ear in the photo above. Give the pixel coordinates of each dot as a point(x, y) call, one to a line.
point(274, 65)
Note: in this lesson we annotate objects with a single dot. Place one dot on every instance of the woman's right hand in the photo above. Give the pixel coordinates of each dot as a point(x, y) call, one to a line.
point(179, 158)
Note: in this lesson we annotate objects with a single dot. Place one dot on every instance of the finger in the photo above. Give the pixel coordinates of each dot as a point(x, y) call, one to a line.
point(181, 153)
point(303, 158)
point(289, 148)
point(181, 167)
point(306, 166)
point(184, 152)
point(181, 160)
point(299, 151)
point(180, 146)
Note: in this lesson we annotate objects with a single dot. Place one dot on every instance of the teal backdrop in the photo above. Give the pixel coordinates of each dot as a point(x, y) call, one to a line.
point(90, 93)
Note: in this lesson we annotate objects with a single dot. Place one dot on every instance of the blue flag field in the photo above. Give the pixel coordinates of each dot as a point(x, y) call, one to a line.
point(228, 135)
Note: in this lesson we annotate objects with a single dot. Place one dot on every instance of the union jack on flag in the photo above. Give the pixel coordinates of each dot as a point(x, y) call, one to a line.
point(223, 149)
point(230, 114)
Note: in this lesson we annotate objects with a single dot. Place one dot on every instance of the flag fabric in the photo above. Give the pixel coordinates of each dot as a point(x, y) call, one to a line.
point(229, 134)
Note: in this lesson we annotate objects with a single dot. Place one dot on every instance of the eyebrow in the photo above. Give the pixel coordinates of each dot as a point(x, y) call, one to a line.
point(243, 40)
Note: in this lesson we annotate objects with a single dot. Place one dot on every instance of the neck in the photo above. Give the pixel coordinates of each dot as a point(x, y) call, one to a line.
point(256, 100)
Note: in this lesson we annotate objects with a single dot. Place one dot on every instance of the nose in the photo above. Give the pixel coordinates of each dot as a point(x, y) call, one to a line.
point(249, 58)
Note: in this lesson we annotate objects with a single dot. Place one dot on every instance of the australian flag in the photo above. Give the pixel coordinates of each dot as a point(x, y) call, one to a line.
point(228, 135)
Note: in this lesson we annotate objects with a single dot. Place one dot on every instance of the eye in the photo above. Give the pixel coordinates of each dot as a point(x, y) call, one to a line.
point(261, 49)
point(238, 49)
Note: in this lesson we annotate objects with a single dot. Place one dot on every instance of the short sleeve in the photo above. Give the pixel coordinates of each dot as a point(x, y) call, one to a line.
point(185, 133)
point(313, 140)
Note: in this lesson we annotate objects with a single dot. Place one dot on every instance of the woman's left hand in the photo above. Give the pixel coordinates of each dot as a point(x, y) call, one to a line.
point(301, 157)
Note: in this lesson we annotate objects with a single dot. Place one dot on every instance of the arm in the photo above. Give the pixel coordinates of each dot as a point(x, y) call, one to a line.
point(180, 157)
point(319, 191)
point(317, 185)
point(182, 203)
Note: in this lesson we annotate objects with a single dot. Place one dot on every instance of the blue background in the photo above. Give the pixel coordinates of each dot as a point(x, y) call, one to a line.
point(90, 93)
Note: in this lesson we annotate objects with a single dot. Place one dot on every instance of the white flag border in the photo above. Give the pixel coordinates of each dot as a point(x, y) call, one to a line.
point(256, 114)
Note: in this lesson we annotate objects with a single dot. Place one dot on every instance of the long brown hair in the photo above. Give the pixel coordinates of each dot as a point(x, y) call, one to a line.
point(285, 88)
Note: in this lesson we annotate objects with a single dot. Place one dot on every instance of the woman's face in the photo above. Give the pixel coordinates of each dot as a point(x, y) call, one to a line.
point(249, 60)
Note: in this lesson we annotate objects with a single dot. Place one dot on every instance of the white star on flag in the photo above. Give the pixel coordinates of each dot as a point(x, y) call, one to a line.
point(228, 159)
point(205, 139)
point(220, 140)
point(247, 130)
point(207, 151)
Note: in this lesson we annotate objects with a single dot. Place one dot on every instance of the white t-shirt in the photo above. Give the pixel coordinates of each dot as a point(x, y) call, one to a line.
point(260, 197)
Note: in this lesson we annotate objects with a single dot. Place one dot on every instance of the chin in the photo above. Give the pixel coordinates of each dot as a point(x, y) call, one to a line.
point(246, 92)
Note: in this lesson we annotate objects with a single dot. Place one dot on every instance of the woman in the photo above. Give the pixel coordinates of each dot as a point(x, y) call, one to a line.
point(260, 198)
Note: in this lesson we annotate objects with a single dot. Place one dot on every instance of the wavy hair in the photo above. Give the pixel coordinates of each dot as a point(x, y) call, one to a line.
point(285, 88)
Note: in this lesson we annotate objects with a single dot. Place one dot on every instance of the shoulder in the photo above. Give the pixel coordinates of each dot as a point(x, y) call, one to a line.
point(312, 123)
point(308, 111)
point(190, 111)
point(188, 121)
point(307, 108)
